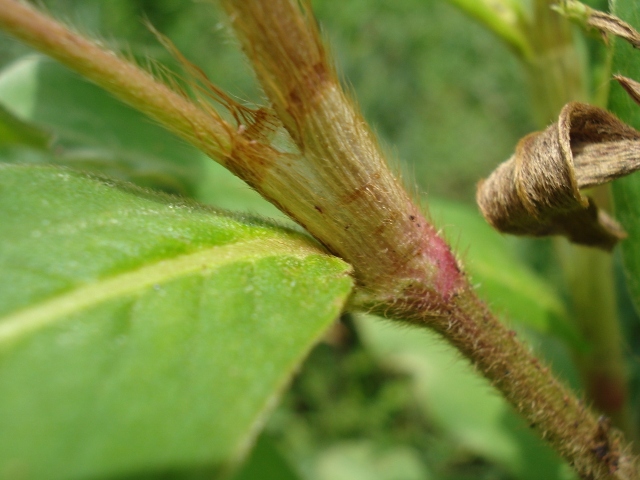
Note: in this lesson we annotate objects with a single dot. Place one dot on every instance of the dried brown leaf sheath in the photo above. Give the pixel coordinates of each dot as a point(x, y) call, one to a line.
point(605, 23)
point(631, 87)
point(609, 24)
point(537, 191)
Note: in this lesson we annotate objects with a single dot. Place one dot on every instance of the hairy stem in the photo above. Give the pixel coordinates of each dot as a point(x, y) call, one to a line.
point(594, 449)
point(347, 196)
point(292, 67)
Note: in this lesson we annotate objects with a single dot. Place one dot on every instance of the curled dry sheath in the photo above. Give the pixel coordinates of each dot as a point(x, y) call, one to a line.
point(537, 191)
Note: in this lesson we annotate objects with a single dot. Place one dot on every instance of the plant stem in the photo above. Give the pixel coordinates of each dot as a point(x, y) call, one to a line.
point(589, 275)
point(556, 71)
point(124, 80)
point(341, 190)
point(292, 68)
point(561, 419)
point(557, 76)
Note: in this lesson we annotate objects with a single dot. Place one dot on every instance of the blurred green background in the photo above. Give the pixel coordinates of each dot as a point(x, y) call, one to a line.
point(447, 99)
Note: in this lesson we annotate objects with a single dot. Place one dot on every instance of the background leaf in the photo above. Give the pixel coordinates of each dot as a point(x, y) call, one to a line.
point(363, 460)
point(626, 191)
point(14, 131)
point(141, 333)
point(462, 404)
point(221, 188)
point(94, 131)
point(266, 462)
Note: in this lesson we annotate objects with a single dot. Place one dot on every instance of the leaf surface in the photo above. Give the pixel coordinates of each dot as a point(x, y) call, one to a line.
point(626, 191)
point(141, 333)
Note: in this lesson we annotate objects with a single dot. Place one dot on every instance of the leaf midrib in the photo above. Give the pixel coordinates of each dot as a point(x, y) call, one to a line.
point(23, 322)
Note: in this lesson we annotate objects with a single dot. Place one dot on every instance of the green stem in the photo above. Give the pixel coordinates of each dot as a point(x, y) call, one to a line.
point(504, 18)
point(556, 72)
point(589, 274)
point(558, 76)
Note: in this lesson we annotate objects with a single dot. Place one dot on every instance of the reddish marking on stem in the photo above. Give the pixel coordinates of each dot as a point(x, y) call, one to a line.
point(312, 81)
point(449, 279)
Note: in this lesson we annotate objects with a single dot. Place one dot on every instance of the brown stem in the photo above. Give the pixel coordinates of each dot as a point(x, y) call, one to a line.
point(594, 449)
point(342, 191)
point(125, 80)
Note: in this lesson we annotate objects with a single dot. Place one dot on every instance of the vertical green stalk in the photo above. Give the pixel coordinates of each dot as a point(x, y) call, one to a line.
point(589, 277)
point(558, 74)
point(556, 70)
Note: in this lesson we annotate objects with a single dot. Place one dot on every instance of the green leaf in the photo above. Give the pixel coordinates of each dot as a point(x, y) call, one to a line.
point(221, 188)
point(502, 279)
point(626, 191)
point(505, 18)
point(266, 462)
point(96, 132)
point(141, 333)
point(460, 403)
point(14, 131)
point(364, 460)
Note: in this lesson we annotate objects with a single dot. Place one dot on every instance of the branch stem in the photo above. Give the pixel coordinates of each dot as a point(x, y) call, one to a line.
point(123, 79)
point(550, 407)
